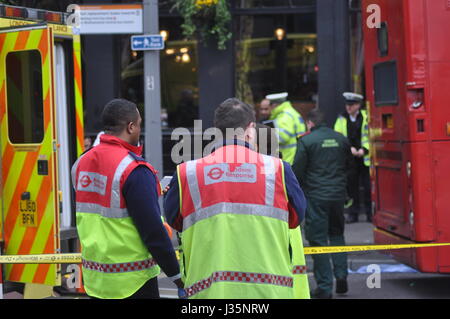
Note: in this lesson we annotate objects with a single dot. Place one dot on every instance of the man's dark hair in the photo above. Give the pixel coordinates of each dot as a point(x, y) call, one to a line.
point(316, 116)
point(117, 114)
point(233, 113)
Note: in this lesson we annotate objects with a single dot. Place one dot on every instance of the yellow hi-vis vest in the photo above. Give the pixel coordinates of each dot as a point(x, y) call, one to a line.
point(341, 127)
point(289, 124)
point(301, 284)
point(236, 221)
point(115, 261)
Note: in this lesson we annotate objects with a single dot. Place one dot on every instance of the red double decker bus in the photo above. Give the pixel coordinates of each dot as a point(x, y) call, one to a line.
point(407, 62)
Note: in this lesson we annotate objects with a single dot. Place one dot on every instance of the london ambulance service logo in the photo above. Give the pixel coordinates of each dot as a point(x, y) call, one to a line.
point(92, 182)
point(85, 181)
point(215, 173)
point(243, 173)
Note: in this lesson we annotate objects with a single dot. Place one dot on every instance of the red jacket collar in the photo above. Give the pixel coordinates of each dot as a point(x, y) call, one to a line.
point(110, 139)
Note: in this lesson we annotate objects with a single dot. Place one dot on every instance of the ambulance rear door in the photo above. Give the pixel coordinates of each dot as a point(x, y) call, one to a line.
point(28, 151)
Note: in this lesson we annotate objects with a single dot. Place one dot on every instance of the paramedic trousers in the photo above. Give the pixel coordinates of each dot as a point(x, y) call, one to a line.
point(325, 227)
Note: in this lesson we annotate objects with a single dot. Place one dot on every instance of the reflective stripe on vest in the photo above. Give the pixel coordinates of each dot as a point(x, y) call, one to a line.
point(233, 208)
point(299, 270)
point(287, 132)
point(74, 172)
point(283, 147)
point(269, 169)
point(237, 209)
point(120, 267)
point(191, 175)
point(115, 187)
point(241, 277)
point(114, 211)
point(101, 210)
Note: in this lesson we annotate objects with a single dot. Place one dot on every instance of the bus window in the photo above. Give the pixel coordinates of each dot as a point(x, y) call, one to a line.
point(24, 96)
point(385, 80)
point(383, 40)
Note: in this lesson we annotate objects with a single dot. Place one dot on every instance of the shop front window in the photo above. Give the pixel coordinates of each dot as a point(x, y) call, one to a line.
point(272, 3)
point(179, 85)
point(276, 53)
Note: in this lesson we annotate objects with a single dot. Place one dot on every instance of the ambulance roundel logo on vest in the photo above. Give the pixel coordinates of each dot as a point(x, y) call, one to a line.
point(92, 182)
point(243, 173)
point(215, 173)
point(85, 181)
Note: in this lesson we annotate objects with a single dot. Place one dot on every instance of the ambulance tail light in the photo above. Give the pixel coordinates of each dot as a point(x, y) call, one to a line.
point(52, 17)
point(14, 12)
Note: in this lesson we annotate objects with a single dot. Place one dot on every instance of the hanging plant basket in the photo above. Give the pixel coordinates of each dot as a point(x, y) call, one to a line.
point(205, 20)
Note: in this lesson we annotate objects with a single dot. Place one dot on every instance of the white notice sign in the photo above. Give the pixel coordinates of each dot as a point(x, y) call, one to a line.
point(111, 19)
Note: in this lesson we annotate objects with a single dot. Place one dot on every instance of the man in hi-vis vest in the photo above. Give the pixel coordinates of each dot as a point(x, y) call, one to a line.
point(234, 209)
point(354, 124)
point(119, 223)
point(288, 122)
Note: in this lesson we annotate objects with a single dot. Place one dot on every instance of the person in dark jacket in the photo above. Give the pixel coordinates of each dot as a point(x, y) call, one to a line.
point(320, 164)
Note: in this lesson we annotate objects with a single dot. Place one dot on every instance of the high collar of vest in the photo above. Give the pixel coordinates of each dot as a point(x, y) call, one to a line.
point(109, 139)
point(283, 107)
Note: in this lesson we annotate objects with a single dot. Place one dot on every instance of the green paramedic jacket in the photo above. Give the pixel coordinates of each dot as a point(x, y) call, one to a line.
point(321, 163)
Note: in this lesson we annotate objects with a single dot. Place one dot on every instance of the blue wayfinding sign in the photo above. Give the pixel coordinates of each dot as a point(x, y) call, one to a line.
point(147, 42)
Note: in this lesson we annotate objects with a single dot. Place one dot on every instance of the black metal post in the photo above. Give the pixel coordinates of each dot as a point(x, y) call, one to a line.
point(334, 56)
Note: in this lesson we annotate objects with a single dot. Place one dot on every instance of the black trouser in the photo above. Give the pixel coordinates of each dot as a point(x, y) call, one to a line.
point(358, 175)
point(325, 227)
point(149, 290)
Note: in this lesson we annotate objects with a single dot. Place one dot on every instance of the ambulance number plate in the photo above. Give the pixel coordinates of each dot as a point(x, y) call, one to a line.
point(28, 213)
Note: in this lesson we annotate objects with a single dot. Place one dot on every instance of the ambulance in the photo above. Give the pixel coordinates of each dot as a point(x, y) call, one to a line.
point(41, 135)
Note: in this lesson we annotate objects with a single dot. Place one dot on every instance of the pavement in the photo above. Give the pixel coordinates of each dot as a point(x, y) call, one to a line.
point(396, 280)
point(355, 235)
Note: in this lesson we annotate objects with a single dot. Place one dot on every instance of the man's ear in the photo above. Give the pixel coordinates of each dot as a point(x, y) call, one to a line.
point(251, 125)
point(130, 127)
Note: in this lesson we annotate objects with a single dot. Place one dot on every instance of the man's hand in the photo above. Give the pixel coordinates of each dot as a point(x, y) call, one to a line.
point(179, 283)
point(354, 151)
point(165, 190)
point(360, 153)
point(181, 292)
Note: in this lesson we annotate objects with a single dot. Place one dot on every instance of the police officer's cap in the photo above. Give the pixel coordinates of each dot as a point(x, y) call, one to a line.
point(351, 97)
point(277, 97)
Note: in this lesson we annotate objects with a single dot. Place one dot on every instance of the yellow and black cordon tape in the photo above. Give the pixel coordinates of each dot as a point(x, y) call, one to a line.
point(76, 258)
